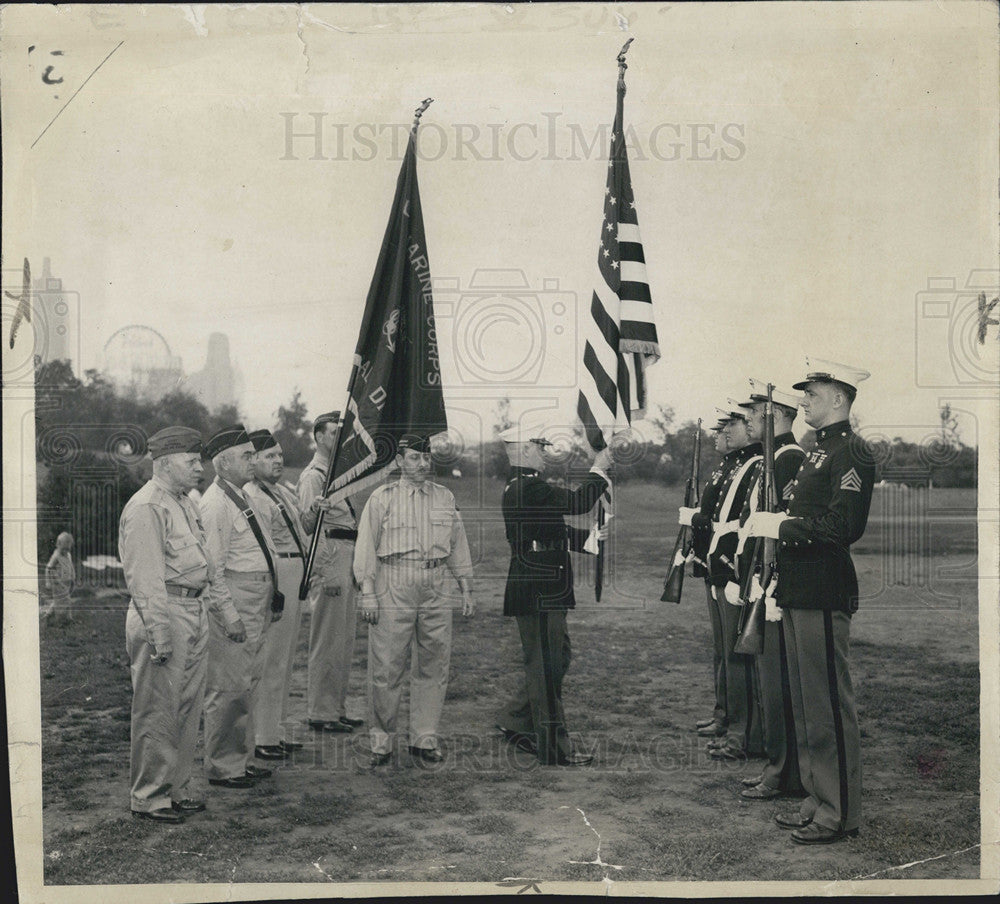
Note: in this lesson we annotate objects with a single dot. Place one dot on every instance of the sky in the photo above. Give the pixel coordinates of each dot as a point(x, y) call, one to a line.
point(809, 179)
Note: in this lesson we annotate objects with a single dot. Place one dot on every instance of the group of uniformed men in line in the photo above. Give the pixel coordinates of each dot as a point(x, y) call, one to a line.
point(214, 614)
point(793, 704)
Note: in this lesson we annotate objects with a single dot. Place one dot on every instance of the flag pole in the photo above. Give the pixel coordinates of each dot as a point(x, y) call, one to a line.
point(599, 564)
point(332, 470)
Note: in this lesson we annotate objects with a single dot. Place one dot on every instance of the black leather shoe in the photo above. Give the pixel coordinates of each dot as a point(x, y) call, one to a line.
point(353, 723)
point(520, 740)
point(703, 723)
point(752, 782)
point(256, 772)
point(817, 834)
point(427, 754)
point(727, 753)
point(712, 730)
point(379, 759)
point(188, 805)
point(336, 727)
point(575, 759)
point(164, 815)
point(290, 745)
point(239, 781)
point(716, 743)
point(791, 822)
point(270, 752)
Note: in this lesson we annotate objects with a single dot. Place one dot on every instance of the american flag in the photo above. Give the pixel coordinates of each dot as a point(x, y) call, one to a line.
point(620, 333)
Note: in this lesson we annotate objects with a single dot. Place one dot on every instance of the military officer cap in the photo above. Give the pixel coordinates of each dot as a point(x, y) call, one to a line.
point(174, 440)
point(520, 433)
point(819, 370)
point(226, 439)
point(720, 424)
point(758, 393)
point(262, 439)
point(414, 442)
point(331, 417)
point(731, 412)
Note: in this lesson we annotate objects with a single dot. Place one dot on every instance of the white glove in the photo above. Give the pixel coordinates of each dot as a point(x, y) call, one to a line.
point(679, 559)
point(765, 524)
point(733, 593)
point(756, 591)
point(684, 515)
point(690, 557)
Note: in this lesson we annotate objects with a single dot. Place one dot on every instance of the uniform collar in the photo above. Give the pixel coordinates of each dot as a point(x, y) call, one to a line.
point(517, 471)
point(784, 439)
point(841, 428)
point(166, 489)
point(412, 488)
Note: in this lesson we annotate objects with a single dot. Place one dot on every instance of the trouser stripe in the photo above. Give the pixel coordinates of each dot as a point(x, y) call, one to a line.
point(838, 722)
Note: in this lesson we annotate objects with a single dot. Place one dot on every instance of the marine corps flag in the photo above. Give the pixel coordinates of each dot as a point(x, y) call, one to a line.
point(395, 383)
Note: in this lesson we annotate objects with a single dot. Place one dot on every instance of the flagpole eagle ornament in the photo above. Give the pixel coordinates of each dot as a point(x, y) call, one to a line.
point(621, 338)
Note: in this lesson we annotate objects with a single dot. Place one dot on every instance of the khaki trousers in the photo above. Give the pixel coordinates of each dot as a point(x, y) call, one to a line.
point(271, 703)
point(826, 721)
point(413, 612)
point(537, 708)
point(167, 704)
point(781, 771)
point(234, 671)
point(332, 630)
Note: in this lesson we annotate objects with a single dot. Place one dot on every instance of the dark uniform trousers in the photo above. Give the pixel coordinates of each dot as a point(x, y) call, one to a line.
point(536, 709)
point(826, 721)
point(742, 722)
point(774, 703)
point(718, 657)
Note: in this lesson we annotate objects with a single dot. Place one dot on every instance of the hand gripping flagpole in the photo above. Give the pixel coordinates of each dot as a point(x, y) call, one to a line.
point(328, 484)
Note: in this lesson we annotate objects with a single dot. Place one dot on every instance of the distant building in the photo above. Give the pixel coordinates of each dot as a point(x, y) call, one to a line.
point(219, 382)
point(56, 312)
point(137, 360)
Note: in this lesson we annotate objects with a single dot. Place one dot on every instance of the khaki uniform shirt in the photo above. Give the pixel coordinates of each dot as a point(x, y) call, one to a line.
point(276, 525)
point(311, 483)
point(231, 545)
point(161, 541)
point(416, 521)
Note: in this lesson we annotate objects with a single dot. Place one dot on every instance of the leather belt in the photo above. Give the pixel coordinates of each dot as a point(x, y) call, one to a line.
point(340, 533)
point(400, 559)
point(178, 590)
point(288, 555)
point(543, 546)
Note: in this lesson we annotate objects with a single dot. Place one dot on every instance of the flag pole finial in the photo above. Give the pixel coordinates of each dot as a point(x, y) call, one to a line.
point(622, 65)
point(420, 111)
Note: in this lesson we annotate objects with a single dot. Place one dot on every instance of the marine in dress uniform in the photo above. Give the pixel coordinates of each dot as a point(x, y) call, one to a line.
point(770, 672)
point(279, 508)
point(409, 534)
point(60, 579)
point(540, 589)
point(331, 597)
point(162, 548)
point(242, 603)
point(701, 536)
point(737, 742)
point(818, 593)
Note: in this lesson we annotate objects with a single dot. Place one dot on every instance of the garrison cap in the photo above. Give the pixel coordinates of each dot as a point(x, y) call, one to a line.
point(414, 442)
point(331, 417)
point(262, 439)
point(226, 439)
point(174, 440)
point(758, 393)
point(818, 370)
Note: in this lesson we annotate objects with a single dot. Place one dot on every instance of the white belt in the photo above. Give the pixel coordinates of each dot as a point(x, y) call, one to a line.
point(720, 530)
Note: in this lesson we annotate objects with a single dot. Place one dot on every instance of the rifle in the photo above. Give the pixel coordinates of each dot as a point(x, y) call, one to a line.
point(751, 636)
point(674, 580)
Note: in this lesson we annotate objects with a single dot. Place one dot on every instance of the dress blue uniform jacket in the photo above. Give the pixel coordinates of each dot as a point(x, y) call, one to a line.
point(829, 501)
point(533, 512)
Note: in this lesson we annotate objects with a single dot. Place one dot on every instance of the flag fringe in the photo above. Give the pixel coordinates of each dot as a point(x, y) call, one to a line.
point(364, 483)
point(641, 347)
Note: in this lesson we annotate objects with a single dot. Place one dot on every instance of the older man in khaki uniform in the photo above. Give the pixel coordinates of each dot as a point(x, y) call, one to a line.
point(279, 506)
point(409, 532)
point(332, 599)
point(162, 548)
point(242, 600)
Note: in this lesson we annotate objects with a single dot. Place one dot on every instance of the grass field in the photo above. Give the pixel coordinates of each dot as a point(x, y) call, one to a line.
point(653, 807)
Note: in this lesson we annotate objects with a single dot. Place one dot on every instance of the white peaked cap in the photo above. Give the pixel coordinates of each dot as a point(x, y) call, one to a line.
point(758, 393)
point(526, 432)
point(823, 371)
